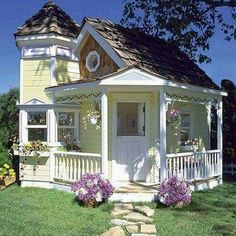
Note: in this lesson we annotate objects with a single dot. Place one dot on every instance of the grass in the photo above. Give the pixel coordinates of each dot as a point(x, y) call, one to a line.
point(32, 211)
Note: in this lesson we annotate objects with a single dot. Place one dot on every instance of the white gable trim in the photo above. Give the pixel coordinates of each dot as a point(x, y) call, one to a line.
point(34, 101)
point(102, 42)
point(137, 77)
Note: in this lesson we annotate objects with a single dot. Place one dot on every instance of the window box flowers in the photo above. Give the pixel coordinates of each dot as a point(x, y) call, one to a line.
point(92, 189)
point(7, 175)
point(34, 148)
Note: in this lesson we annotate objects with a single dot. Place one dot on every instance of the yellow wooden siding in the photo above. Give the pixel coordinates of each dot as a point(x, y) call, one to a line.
point(36, 77)
point(90, 135)
point(67, 71)
point(42, 172)
point(199, 125)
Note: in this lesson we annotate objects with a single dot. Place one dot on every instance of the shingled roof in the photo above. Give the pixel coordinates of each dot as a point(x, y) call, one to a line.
point(151, 53)
point(50, 19)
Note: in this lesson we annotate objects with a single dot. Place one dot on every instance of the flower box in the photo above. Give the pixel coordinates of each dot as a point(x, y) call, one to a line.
point(32, 154)
point(187, 148)
point(8, 180)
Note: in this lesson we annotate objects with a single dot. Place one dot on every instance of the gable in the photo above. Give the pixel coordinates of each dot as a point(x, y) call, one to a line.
point(151, 54)
point(107, 65)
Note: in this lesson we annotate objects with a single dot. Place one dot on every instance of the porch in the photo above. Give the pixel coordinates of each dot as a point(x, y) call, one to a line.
point(162, 154)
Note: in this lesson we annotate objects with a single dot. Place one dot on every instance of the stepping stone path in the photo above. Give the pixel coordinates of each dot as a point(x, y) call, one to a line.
point(135, 220)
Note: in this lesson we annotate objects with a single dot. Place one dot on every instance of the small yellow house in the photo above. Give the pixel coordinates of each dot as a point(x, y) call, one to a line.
point(138, 107)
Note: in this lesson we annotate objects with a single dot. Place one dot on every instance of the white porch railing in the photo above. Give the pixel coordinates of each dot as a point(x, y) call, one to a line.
point(70, 166)
point(194, 165)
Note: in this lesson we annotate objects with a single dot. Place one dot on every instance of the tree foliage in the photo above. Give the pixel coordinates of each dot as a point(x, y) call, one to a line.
point(229, 121)
point(8, 120)
point(188, 24)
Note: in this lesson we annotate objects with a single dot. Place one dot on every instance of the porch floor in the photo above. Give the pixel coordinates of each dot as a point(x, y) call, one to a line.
point(136, 187)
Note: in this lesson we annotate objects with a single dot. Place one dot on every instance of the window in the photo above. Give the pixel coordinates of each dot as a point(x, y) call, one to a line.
point(37, 126)
point(130, 119)
point(66, 126)
point(92, 61)
point(185, 131)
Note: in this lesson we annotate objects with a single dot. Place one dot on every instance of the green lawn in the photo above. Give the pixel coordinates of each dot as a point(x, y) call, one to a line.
point(32, 211)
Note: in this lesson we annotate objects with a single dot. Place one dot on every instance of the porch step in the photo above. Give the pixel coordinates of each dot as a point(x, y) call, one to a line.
point(134, 192)
point(133, 197)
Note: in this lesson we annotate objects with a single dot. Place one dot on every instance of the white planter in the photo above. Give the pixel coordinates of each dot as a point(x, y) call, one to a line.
point(186, 148)
point(42, 154)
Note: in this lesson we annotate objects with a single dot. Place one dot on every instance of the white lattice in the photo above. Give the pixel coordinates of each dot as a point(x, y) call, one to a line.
point(79, 97)
point(185, 98)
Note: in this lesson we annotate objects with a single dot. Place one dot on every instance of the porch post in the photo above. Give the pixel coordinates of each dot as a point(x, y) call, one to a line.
point(104, 133)
point(219, 134)
point(52, 140)
point(163, 133)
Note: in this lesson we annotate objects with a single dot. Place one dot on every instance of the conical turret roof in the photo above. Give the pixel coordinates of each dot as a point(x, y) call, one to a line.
point(50, 19)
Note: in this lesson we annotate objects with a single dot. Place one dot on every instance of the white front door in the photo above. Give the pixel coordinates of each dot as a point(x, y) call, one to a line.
point(130, 140)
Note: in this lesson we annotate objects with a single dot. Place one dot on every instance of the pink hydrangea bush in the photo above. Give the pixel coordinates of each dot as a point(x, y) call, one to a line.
point(92, 189)
point(175, 191)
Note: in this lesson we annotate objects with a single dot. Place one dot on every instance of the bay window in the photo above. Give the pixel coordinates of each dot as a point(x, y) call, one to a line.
point(37, 126)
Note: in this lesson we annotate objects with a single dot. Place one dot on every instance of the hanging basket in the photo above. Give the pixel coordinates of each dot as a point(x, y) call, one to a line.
point(93, 120)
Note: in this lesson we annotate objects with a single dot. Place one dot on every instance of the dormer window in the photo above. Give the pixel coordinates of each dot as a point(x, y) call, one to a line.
point(92, 61)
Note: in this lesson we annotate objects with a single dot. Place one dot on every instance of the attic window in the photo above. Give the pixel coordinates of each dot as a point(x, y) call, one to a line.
point(92, 61)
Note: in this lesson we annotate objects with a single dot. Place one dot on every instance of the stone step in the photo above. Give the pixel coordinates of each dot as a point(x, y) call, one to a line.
point(145, 210)
point(148, 229)
point(137, 217)
point(114, 231)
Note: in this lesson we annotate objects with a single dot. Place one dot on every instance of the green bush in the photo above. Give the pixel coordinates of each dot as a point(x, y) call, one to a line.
point(5, 158)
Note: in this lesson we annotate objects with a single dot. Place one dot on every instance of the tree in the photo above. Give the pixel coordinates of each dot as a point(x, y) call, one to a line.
point(188, 24)
point(9, 121)
point(229, 121)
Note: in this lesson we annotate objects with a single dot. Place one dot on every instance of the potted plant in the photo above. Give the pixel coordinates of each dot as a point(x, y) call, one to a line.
point(7, 175)
point(72, 146)
point(175, 191)
point(190, 145)
point(92, 190)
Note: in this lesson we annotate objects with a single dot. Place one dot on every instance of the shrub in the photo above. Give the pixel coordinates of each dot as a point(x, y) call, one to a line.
point(175, 191)
point(5, 171)
point(4, 156)
point(92, 189)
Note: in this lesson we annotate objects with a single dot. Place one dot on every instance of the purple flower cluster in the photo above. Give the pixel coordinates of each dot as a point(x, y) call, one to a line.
point(174, 113)
point(92, 187)
point(175, 190)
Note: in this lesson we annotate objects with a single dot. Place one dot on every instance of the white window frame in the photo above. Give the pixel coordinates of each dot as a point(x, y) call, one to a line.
point(190, 128)
point(90, 54)
point(76, 125)
point(27, 127)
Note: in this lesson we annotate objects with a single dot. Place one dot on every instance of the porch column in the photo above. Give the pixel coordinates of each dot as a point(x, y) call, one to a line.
point(219, 134)
point(52, 140)
point(163, 133)
point(104, 133)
